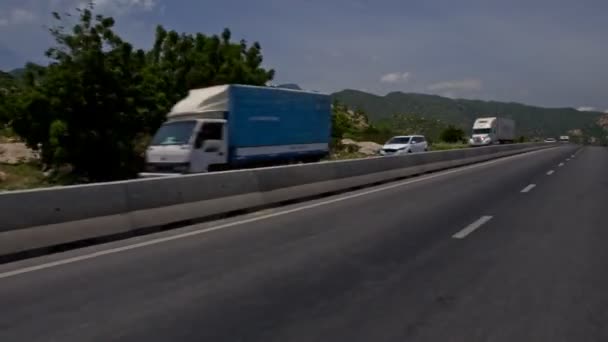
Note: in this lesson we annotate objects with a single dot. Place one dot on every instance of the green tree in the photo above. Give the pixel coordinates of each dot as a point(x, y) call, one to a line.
point(88, 105)
point(340, 121)
point(99, 97)
point(8, 91)
point(452, 134)
point(185, 61)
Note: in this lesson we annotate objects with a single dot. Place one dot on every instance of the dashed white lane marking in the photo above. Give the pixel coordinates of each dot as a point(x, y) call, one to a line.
point(528, 188)
point(550, 173)
point(560, 164)
point(472, 227)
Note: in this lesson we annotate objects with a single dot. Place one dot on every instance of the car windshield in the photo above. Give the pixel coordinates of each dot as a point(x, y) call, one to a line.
point(482, 131)
point(399, 141)
point(174, 133)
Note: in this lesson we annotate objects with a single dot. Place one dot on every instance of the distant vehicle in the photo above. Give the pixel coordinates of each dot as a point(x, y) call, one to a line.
point(564, 138)
point(550, 140)
point(404, 144)
point(488, 131)
point(237, 126)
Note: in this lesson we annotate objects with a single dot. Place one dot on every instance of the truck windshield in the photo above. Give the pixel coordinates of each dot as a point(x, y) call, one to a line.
point(482, 131)
point(174, 133)
point(399, 140)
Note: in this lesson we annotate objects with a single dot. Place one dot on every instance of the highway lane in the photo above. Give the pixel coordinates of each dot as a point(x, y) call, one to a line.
point(381, 266)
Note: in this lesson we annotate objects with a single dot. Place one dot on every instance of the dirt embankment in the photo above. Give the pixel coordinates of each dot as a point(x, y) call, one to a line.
point(13, 153)
point(18, 167)
point(367, 148)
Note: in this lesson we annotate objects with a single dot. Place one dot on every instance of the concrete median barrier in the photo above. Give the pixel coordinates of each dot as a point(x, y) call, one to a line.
point(280, 184)
point(40, 218)
point(37, 219)
point(156, 202)
point(22, 209)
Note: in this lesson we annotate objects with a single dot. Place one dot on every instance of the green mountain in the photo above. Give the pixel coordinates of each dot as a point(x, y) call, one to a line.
point(17, 73)
point(530, 120)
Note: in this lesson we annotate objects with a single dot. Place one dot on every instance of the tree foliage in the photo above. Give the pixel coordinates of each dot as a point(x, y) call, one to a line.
point(8, 90)
point(403, 124)
point(99, 96)
point(341, 122)
point(452, 134)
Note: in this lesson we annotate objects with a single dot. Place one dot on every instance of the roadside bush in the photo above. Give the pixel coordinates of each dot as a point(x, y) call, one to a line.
point(99, 98)
point(452, 134)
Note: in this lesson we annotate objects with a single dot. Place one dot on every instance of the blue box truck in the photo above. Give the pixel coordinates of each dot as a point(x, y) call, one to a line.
point(238, 126)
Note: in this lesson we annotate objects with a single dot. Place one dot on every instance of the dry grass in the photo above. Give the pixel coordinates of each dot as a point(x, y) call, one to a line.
point(22, 176)
point(441, 146)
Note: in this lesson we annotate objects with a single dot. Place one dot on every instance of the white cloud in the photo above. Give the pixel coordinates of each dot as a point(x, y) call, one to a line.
point(395, 77)
point(109, 7)
point(449, 87)
point(17, 16)
point(586, 109)
point(21, 16)
point(123, 6)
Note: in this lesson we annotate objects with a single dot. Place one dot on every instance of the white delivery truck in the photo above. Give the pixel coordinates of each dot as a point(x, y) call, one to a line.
point(487, 131)
point(239, 126)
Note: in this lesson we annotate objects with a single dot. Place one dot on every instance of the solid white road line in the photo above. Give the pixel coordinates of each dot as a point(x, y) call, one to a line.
point(528, 188)
point(250, 220)
point(472, 227)
point(550, 173)
point(560, 164)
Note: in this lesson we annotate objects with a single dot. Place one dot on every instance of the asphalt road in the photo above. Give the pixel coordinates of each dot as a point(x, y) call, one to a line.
point(495, 252)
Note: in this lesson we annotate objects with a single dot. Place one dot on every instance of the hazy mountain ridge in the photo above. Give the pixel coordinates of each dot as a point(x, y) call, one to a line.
point(531, 120)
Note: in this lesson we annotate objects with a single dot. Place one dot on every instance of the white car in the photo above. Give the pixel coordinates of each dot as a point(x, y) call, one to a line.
point(404, 144)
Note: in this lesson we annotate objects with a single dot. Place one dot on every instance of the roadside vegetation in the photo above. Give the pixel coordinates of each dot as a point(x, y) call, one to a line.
point(22, 176)
point(89, 113)
point(354, 136)
point(531, 121)
point(100, 99)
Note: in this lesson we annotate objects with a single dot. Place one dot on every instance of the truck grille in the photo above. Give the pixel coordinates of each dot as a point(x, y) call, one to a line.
point(165, 167)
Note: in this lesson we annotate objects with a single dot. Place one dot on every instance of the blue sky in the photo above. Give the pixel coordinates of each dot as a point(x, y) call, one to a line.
point(542, 52)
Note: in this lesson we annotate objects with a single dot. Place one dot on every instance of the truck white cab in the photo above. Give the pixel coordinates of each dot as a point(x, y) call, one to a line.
point(188, 145)
point(493, 130)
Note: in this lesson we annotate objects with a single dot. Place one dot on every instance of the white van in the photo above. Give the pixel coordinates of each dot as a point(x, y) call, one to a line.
point(405, 144)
